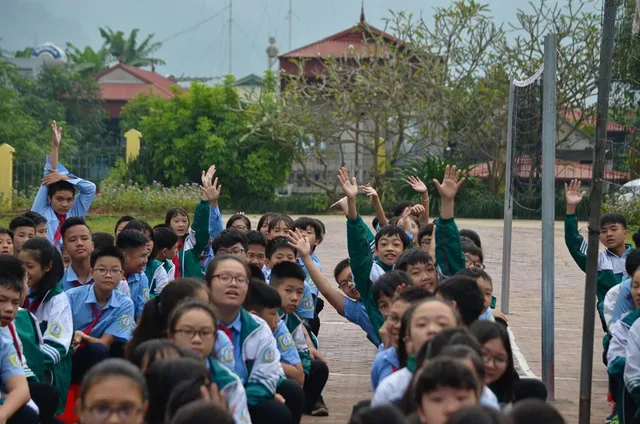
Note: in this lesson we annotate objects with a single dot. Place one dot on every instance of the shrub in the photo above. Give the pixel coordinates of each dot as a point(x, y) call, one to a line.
point(133, 197)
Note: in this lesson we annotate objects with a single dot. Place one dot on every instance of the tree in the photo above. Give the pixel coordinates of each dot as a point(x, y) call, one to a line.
point(26, 52)
point(128, 51)
point(88, 60)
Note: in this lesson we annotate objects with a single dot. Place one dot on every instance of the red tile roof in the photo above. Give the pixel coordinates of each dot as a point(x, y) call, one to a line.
point(575, 115)
point(154, 83)
point(565, 170)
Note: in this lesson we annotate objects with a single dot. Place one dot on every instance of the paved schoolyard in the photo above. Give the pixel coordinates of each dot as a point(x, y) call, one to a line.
point(350, 354)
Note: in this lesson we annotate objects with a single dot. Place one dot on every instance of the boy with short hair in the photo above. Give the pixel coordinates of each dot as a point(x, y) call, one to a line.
point(6, 241)
point(613, 232)
point(134, 247)
point(165, 249)
point(102, 316)
point(23, 229)
point(101, 240)
point(40, 221)
point(288, 279)
point(265, 302)
point(121, 223)
point(256, 248)
point(425, 235)
point(78, 244)
point(312, 229)
point(420, 267)
point(230, 242)
point(486, 286)
point(55, 199)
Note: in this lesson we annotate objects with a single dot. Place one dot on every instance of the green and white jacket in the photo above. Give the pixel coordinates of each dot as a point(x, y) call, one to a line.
point(231, 385)
point(157, 276)
point(294, 325)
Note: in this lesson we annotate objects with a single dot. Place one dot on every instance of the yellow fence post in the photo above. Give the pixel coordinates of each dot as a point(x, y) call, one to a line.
point(6, 174)
point(133, 144)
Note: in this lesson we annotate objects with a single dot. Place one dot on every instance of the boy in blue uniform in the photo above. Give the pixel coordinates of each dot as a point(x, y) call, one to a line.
point(102, 316)
point(288, 279)
point(257, 248)
point(230, 242)
point(78, 244)
point(14, 409)
point(265, 303)
point(134, 247)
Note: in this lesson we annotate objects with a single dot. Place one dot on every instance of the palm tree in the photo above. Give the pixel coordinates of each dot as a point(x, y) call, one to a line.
point(88, 60)
point(127, 50)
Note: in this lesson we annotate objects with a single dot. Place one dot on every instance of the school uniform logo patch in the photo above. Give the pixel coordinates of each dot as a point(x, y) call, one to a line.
point(285, 341)
point(125, 321)
point(56, 330)
point(226, 356)
point(14, 360)
point(268, 356)
point(308, 303)
point(145, 294)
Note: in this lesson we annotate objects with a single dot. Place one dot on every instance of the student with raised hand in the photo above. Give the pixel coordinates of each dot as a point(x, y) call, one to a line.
point(193, 325)
point(193, 240)
point(212, 192)
point(390, 242)
point(55, 199)
point(613, 233)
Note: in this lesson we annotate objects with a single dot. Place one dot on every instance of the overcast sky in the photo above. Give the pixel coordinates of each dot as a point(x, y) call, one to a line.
point(204, 51)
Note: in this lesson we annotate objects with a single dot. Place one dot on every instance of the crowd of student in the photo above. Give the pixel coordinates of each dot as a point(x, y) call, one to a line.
point(192, 322)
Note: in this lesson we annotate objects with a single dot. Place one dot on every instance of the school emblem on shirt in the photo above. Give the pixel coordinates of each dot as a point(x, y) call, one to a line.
point(308, 303)
point(226, 355)
point(268, 356)
point(55, 330)
point(125, 321)
point(285, 341)
point(14, 360)
point(145, 294)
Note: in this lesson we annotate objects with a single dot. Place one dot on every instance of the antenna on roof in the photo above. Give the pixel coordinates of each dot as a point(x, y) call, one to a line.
point(362, 12)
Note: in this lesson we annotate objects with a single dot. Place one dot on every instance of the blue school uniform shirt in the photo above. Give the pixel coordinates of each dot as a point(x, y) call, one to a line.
point(70, 279)
point(139, 287)
point(307, 307)
point(385, 363)
point(624, 302)
point(81, 202)
point(224, 350)
point(239, 367)
point(487, 316)
point(355, 312)
point(116, 317)
point(288, 351)
point(10, 365)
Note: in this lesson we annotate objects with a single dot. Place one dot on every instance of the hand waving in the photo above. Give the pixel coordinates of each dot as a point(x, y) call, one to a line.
point(573, 194)
point(369, 191)
point(450, 183)
point(210, 191)
point(349, 187)
point(56, 134)
point(300, 242)
point(417, 184)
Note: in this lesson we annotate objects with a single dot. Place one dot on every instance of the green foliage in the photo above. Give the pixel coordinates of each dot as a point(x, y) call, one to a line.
point(88, 60)
point(136, 198)
point(128, 51)
point(630, 210)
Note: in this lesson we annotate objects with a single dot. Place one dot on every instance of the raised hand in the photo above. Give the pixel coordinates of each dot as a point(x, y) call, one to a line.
point(214, 395)
point(451, 183)
point(341, 204)
point(573, 194)
point(52, 177)
point(369, 191)
point(56, 134)
point(300, 242)
point(210, 191)
point(417, 184)
point(417, 210)
point(349, 186)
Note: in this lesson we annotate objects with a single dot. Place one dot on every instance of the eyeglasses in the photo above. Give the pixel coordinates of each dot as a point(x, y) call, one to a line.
point(102, 272)
point(234, 252)
point(102, 412)
point(497, 360)
point(257, 256)
point(227, 278)
point(203, 333)
point(477, 265)
point(239, 227)
point(346, 281)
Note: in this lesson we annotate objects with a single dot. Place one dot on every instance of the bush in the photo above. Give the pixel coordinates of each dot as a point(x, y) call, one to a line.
point(630, 210)
point(135, 198)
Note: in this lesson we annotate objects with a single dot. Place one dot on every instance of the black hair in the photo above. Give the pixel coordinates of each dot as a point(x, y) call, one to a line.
point(445, 372)
point(213, 265)
point(154, 320)
point(342, 265)
point(613, 218)
point(110, 251)
point(461, 351)
point(468, 246)
point(467, 295)
point(534, 411)
point(131, 239)
point(256, 237)
point(12, 273)
point(390, 231)
point(304, 222)
point(168, 373)
point(6, 231)
point(384, 414)
point(141, 226)
point(485, 331)
point(426, 230)
point(275, 220)
point(263, 296)
point(285, 270)
point(400, 207)
point(113, 367)
point(403, 356)
point(182, 395)
point(228, 238)
point(103, 240)
point(471, 235)
point(21, 221)
point(52, 189)
point(35, 217)
point(243, 217)
point(323, 229)
point(153, 350)
point(125, 218)
point(636, 238)
point(173, 212)
point(475, 273)
point(389, 282)
point(279, 243)
point(202, 412)
point(44, 253)
point(413, 294)
point(255, 272)
point(376, 221)
point(263, 218)
point(188, 305)
point(412, 257)
point(632, 262)
point(479, 414)
point(450, 337)
point(72, 222)
point(163, 238)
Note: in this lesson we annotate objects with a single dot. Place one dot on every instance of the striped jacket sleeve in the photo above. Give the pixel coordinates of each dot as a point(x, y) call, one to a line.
point(59, 332)
point(575, 242)
point(266, 370)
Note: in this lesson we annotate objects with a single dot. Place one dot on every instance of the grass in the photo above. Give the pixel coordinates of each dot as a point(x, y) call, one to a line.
point(98, 223)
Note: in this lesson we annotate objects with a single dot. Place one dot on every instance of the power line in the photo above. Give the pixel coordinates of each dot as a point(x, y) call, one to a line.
point(196, 25)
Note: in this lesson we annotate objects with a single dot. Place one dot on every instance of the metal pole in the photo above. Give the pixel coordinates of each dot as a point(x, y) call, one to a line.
point(290, 21)
point(230, 34)
point(548, 209)
point(508, 206)
point(604, 86)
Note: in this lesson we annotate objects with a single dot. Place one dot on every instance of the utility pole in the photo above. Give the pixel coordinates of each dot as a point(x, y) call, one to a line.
point(604, 87)
point(290, 21)
point(230, 35)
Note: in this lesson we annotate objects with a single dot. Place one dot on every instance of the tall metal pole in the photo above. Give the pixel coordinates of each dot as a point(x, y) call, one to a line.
point(290, 21)
point(230, 34)
point(508, 206)
point(549, 114)
point(604, 86)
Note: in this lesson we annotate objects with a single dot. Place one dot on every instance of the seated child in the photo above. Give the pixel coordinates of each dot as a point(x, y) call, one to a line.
point(312, 230)
point(134, 247)
point(164, 250)
point(121, 223)
point(23, 229)
point(102, 316)
point(230, 242)
point(279, 226)
point(40, 221)
point(101, 240)
point(6, 241)
point(257, 248)
point(420, 267)
point(145, 229)
point(15, 389)
point(265, 302)
point(239, 222)
point(486, 286)
point(465, 295)
point(263, 223)
point(288, 279)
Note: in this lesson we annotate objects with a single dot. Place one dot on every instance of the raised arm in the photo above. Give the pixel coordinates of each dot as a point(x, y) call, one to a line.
point(208, 199)
point(211, 193)
point(575, 242)
point(375, 200)
point(420, 187)
point(449, 255)
point(56, 138)
point(350, 189)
